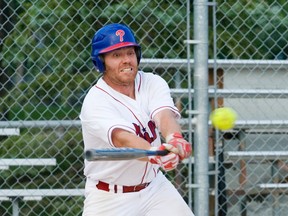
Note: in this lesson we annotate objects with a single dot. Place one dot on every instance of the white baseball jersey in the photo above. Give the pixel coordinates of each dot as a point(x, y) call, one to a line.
point(105, 109)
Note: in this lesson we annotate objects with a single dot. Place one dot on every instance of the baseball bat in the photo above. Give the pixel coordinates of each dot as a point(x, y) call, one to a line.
point(121, 154)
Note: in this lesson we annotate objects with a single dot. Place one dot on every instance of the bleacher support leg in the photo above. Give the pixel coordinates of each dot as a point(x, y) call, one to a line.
point(15, 206)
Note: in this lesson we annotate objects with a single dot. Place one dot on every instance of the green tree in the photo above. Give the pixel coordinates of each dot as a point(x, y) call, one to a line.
point(47, 55)
point(252, 29)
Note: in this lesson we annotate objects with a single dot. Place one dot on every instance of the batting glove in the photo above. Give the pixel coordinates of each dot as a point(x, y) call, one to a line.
point(167, 162)
point(178, 145)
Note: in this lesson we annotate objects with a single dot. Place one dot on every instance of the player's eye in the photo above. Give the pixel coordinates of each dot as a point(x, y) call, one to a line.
point(131, 53)
point(116, 54)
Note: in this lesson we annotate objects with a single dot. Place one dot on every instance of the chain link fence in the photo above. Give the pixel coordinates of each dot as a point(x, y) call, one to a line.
point(253, 157)
point(45, 72)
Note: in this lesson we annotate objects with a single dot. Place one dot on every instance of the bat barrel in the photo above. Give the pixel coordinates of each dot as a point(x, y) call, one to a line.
point(120, 154)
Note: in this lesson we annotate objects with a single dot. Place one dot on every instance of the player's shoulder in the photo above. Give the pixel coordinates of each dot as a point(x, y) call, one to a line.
point(150, 77)
point(95, 92)
point(148, 74)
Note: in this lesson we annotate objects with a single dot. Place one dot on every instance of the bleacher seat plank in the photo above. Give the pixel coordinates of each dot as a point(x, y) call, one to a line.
point(40, 192)
point(5, 163)
point(9, 131)
point(256, 155)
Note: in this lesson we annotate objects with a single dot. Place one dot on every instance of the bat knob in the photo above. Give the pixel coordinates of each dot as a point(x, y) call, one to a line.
point(88, 154)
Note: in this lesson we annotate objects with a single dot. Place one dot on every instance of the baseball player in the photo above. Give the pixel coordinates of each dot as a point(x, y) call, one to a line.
point(130, 108)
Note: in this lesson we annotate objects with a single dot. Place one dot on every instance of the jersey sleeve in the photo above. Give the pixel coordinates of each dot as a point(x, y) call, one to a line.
point(98, 121)
point(159, 96)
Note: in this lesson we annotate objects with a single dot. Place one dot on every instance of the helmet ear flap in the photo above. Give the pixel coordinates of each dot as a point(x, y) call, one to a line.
point(99, 63)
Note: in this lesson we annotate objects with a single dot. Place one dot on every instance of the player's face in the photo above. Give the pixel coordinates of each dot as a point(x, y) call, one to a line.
point(121, 67)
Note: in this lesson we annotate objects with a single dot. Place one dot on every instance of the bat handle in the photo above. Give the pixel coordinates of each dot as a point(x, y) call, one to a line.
point(88, 154)
point(163, 152)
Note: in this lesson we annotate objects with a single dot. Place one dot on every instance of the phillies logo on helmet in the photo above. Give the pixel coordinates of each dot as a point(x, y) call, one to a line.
point(120, 33)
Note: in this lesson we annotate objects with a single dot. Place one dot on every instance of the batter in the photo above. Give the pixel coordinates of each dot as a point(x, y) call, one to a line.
point(130, 108)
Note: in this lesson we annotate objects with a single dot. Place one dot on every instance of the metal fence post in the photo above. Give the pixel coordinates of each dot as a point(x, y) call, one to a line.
point(201, 105)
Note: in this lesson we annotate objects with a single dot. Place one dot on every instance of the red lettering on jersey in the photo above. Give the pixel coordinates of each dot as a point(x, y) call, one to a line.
point(138, 130)
point(152, 128)
point(120, 33)
point(145, 135)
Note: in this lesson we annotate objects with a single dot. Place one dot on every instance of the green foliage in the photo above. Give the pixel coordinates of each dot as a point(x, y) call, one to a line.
point(47, 55)
point(252, 29)
point(46, 38)
point(48, 97)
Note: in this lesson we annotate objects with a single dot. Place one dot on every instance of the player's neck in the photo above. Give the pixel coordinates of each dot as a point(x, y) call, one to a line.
point(127, 89)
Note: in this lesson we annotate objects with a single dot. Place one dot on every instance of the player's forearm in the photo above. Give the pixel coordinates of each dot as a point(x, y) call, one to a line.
point(171, 131)
point(125, 139)
point(122, 138)
point(167, 123)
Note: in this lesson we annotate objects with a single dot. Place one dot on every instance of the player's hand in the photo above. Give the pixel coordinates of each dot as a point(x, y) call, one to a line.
point(178, 145)
point(167, 162)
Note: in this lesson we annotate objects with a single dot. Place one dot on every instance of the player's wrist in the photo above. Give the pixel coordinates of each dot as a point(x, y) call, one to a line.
point(172, 136)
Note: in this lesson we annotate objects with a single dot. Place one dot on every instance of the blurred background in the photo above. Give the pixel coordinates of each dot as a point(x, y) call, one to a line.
point(46, 70)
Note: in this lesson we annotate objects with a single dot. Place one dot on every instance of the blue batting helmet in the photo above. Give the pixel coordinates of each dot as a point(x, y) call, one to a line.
point(112, 37)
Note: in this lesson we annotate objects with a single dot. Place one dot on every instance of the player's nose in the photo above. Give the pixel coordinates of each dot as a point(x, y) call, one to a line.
point(126, 58)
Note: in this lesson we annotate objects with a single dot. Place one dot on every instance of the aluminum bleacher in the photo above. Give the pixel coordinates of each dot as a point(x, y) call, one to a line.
point(16, 195)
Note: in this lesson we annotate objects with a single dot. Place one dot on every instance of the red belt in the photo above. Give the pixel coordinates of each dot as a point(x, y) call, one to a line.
point(121, 189)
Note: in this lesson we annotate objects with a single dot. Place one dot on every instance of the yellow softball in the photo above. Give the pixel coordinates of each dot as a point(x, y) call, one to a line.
point(223, 118)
